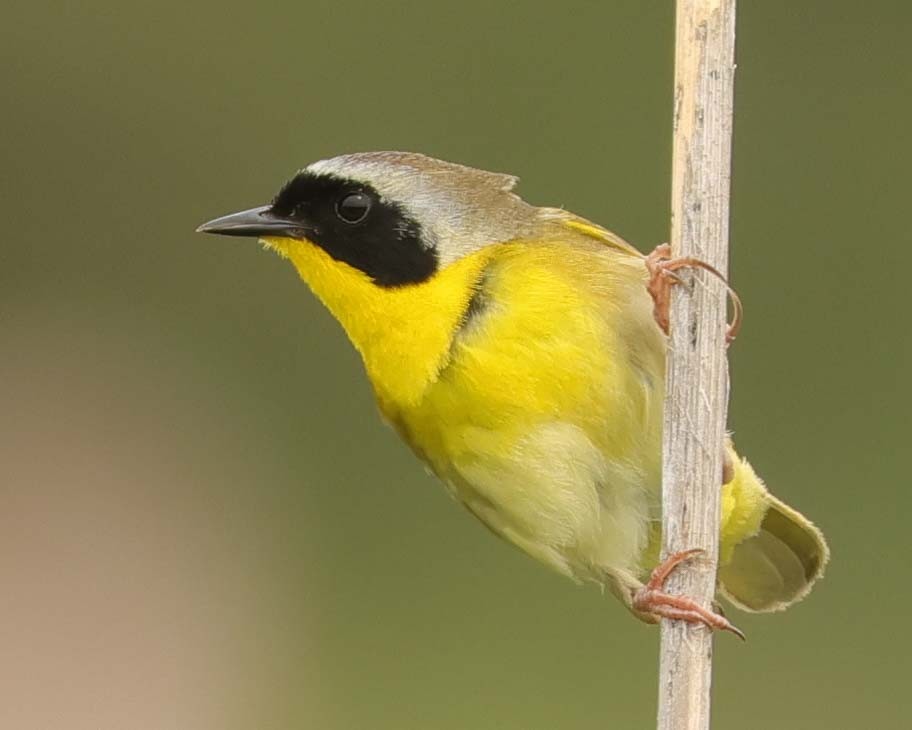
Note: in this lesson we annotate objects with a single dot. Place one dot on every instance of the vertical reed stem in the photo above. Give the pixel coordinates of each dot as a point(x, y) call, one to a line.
point(696, 399)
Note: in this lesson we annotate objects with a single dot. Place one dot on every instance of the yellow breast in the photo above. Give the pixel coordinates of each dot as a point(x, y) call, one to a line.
point(546, 344)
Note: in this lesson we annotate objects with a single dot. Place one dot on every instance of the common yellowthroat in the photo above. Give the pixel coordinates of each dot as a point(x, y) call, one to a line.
point(514, 348)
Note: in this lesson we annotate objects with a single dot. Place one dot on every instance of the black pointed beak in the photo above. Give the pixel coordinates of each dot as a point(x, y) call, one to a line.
point(254, 222)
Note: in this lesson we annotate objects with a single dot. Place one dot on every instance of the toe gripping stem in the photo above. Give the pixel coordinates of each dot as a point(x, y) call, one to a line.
point(653, 599)
point(662, 267)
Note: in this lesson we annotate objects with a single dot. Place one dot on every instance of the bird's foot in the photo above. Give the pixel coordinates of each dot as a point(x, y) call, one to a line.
point(660, 281)
point(662, 267)
point(653, 600)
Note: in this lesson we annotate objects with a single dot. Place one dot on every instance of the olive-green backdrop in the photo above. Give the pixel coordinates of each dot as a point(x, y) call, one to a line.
point(203, 522)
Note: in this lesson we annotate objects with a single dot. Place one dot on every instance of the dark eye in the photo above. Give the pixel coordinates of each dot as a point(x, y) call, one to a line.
point(354, 207)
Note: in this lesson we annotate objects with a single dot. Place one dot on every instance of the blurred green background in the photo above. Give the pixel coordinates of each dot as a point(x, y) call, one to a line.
point(204, 524)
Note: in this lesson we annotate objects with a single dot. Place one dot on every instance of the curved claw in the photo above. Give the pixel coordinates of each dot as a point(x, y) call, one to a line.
point(661, 267)
point(653, 599)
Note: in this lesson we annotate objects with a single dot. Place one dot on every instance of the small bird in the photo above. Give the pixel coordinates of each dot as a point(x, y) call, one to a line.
point(515, 350)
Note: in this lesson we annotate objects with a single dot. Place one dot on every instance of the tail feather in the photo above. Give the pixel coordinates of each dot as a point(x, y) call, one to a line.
point(776, 563)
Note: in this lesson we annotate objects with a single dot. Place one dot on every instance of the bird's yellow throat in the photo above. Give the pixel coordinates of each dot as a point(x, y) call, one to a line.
point(403, 333)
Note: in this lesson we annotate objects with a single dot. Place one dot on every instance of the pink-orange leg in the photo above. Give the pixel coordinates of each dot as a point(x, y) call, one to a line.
point(660, 281)
point(652, 599)
point(661, 267)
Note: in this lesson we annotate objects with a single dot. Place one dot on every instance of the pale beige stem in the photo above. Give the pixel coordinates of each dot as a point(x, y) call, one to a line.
point(697, 376)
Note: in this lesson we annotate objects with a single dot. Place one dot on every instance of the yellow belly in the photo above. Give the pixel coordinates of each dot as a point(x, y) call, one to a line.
point(545, 421)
